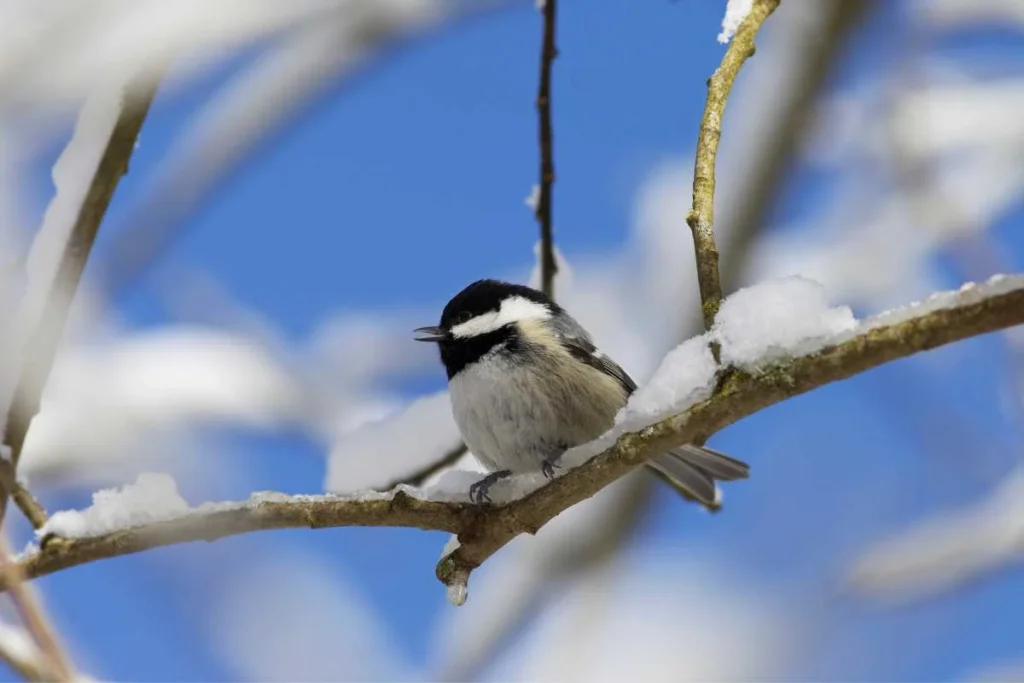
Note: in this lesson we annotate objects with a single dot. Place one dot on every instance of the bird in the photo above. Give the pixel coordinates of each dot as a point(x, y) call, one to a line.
point(527, 383)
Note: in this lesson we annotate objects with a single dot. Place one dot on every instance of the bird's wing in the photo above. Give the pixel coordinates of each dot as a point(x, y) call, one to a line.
point(584, 350)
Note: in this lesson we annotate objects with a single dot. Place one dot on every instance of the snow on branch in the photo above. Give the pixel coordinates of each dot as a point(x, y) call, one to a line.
point(85, 177)
point(814, 355)
point(735, 12)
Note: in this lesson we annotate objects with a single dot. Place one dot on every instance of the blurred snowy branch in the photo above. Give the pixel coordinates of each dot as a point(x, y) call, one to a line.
point(20, 653)
point(85, 177)
point(947, 551)
point(43, 658)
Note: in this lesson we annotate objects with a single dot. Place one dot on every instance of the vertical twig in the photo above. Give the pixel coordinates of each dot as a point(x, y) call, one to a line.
point(701, 218)
point(33, 616)
point(549, 50)
point(44, 340)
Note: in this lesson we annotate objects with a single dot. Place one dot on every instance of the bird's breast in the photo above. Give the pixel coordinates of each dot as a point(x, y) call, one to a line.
point(513, 415)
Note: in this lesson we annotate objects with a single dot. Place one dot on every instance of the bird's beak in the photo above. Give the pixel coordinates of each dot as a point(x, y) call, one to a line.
point(430, 334)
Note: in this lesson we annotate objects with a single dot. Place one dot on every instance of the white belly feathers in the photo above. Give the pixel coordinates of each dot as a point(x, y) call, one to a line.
point(515, 416)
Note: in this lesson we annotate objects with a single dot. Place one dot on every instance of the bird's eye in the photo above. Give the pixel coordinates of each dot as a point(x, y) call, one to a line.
point(463, 317)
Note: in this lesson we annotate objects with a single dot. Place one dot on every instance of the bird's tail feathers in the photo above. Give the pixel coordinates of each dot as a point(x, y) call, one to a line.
point(693, 470)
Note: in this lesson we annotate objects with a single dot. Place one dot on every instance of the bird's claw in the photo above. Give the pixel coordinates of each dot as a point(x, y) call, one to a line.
point(478, 491)
point(548, 469)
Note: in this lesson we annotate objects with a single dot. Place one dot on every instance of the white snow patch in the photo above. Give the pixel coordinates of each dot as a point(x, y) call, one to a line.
point(735, 12)
point(72, 176)
point(968, 294)
point(152, 498)
point(777, 319)
point(533, 199)
point(686, 375)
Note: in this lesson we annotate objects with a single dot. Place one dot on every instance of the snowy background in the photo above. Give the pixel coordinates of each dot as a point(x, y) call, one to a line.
point(316, 179)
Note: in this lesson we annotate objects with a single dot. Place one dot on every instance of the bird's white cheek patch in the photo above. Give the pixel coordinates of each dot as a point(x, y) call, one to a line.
point(514, 309)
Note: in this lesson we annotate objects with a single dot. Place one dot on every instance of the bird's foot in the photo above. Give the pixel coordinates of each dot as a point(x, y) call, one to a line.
point(478, 492)
point(548, 468)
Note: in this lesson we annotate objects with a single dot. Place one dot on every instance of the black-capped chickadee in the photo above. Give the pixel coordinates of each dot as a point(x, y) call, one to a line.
point(527, 383)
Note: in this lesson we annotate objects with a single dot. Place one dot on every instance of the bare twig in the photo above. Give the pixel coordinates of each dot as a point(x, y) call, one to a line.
point(25, 501)
point(483, 530)
point(31, 612)
point(701, 218)
point(548, 53)
point(44, 340)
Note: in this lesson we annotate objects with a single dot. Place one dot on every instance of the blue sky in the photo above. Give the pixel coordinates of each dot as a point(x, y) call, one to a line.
point(398, 190)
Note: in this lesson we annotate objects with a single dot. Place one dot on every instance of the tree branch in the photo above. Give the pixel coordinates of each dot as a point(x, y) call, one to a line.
point(548, 265)
point(44, 340)
point(701, 218)
point(483, 530)
point(738, 395)
point(262, 512)
point(57, 667)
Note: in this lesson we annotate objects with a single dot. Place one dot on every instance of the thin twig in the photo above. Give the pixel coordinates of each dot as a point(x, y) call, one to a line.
point(548, 53)
point(32, 508)
point(701, 218)
point(44, 340)
point(483, 530)
point(31, 612)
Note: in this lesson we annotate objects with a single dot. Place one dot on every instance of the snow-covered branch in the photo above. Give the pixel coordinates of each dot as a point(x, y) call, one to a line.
point(942, 319)
point(775, 366)
point(85, 178)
